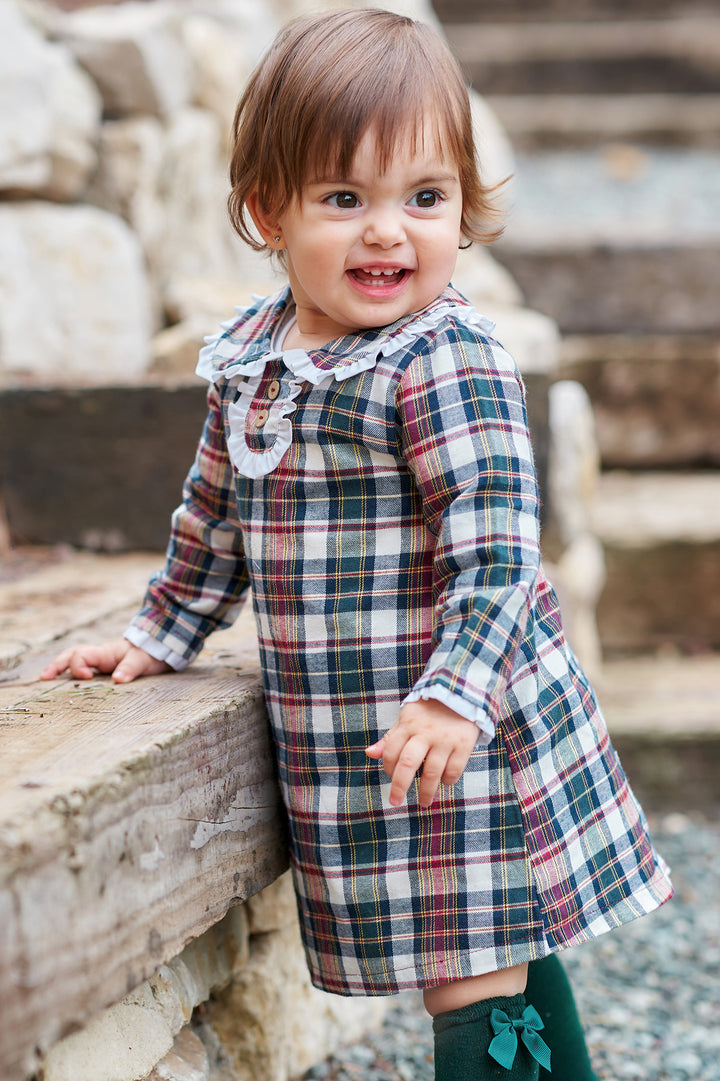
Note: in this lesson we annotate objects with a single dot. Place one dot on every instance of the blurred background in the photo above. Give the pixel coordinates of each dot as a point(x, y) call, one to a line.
point(116, 258)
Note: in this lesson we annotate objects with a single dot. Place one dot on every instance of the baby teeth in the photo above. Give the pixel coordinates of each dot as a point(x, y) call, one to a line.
point(377, 273)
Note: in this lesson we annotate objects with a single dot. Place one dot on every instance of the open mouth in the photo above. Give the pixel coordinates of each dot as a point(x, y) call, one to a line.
point(378, 277)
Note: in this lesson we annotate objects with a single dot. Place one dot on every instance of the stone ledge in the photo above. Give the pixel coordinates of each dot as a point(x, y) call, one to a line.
point(462, 11)
point(634, 286)
point(663, 713)
point(630, 55)
point(130, 822)
point(547, 121)
point(661, 537)
point(656, 399)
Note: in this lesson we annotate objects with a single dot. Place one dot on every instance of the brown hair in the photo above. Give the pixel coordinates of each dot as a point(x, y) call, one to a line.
point(325, 82)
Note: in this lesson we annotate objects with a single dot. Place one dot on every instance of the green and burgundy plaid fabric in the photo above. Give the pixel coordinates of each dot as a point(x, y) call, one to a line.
point(378, 499)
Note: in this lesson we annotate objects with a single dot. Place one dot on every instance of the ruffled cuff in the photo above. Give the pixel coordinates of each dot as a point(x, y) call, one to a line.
point(459, 705)
point(155, 648)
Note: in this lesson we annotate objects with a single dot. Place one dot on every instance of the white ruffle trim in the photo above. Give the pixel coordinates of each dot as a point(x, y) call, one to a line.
point(408, 335)
point(459, 705)
point(251, 463)
point(223, 358)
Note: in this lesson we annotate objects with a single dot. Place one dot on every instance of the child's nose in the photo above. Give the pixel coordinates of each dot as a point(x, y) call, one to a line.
point(385, 229)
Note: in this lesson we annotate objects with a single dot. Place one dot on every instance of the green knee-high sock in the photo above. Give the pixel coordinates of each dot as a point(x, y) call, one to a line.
point(549, 991)
point(496, 1039)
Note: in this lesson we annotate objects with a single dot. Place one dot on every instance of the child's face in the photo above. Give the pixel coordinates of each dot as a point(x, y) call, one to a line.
point(369, 248)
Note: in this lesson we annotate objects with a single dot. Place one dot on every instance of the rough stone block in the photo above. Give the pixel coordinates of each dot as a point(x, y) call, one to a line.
point(186, 1061)
point(74, 301)
point(145, 1034)
point(49, 114)
point(108, 468)
point(169, 182)
point(136, 55)
point(656, 400)
point(589, 286)
point(651, 55)
point(272, 1024)
point(661, 537)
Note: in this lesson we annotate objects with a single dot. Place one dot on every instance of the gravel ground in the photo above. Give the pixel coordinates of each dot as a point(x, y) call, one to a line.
point(649, 993)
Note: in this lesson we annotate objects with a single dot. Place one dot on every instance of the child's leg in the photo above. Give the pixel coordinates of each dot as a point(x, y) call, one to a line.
point(549, 991)
point(484, 1029)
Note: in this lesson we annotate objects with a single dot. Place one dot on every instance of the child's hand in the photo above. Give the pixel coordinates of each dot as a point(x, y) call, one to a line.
point(430, 735)
point(125, 661)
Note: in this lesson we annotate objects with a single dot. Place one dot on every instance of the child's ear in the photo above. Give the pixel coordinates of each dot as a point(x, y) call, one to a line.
point(265, 224)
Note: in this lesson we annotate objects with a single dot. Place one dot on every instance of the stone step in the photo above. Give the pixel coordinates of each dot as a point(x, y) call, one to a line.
point(109, 469)
point(466, 11)
point(661, 537)
point(656, 399)
point(551, 121)
point(619, 56)
point(618, 239)
point(663, 714)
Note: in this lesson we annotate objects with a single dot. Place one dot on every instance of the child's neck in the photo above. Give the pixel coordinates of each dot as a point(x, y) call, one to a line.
point(311, 328)
point(299, 339)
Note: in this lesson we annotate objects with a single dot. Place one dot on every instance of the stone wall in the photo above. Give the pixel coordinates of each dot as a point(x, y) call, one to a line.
point(114, 128)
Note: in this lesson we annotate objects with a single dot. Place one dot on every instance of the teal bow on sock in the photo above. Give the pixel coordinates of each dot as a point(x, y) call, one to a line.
point(503, 1047)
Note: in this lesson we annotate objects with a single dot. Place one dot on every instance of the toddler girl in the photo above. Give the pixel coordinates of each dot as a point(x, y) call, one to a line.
point(365, 473)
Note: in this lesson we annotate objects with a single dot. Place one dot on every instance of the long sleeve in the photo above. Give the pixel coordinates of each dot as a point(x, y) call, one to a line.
point(466, 442)
point(204, 582)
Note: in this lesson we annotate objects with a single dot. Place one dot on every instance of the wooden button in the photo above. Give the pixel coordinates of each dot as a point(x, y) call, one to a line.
point(273, 389)
point(261, 417)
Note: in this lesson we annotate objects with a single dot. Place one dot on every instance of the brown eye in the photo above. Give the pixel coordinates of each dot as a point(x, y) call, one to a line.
point(343, 200)
point(426, 199)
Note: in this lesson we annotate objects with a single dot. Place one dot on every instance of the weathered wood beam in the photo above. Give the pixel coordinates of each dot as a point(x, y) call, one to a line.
point(131, 819)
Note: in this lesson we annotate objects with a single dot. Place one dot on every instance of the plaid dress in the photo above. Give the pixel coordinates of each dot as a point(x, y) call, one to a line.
point(378, 500)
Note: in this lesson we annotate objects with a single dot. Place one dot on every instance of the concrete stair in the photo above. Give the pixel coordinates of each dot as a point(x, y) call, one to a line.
point(614, 230)
point(616, 55)
point(470, 11)
point(618, 239)
point(661, 535)
point(551, 120)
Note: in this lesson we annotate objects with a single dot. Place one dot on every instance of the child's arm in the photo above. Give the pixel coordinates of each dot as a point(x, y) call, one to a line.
point(430, 735)
point(120, 658)
point(202, 586)
point(464, 437)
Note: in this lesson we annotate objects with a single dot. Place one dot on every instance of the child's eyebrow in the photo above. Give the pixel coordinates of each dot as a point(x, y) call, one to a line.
point(437, 179)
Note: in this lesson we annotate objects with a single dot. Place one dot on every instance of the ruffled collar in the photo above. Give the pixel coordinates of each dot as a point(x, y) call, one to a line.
point(243, 345)
point(239, 353)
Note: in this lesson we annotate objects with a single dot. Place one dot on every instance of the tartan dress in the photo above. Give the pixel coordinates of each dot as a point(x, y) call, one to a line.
point(377, 498)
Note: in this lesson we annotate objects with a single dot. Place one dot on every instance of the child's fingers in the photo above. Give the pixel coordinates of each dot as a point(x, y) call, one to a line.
point(80, 661)
point(137, 662)
point(404, 768)
point(376, 750)
point(433, 772)
point(57, 666)
point(125, 661)
point(456, 763)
